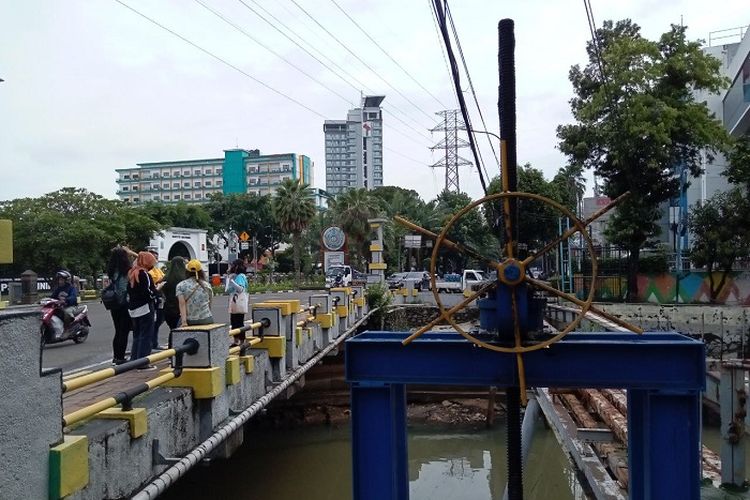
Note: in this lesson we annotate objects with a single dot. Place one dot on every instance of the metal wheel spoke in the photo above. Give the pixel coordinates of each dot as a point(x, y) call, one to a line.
point(519, 358)
point(573, 230)
point(445, 313)
point(459, 247)
point(572, 298)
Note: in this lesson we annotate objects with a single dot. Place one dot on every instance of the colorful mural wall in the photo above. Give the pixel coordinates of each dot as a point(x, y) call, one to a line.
point(691, 288)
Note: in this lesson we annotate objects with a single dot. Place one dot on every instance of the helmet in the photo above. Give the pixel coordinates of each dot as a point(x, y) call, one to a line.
point(63, 274)
point(194, 266)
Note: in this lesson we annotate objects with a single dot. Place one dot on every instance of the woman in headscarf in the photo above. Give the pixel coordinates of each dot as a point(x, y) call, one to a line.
point(175, 274)
point(141, 298)
point(194, 295)
point(236, 287)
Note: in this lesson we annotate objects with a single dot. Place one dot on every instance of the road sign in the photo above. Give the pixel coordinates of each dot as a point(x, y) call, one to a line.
point(244, 236)
point(244, 245)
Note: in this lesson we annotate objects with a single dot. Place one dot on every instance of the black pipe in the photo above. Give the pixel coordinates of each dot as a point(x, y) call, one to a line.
point(507, 110)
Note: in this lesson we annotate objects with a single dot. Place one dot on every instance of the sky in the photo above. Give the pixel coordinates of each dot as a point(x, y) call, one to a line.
point(91, 86)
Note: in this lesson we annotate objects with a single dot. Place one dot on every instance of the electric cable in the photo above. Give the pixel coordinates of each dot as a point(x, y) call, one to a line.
point(357, 57)
point(320, 59)
point(221, 60)
point(471, 86)
point(386, 52)
point(269, 49)
point(457, 83)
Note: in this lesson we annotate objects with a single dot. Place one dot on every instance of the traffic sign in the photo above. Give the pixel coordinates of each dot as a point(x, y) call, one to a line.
point(244, 236)
point(244, 245)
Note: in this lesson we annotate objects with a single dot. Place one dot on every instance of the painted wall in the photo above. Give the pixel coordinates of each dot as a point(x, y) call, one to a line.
point(235, 180)
point(694, 288)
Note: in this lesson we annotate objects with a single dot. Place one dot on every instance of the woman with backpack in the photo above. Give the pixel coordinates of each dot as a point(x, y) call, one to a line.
point(236, 287)
point(194, 295)
point(115, 298)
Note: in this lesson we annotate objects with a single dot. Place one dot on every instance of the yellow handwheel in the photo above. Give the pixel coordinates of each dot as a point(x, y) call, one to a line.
point(510, 272)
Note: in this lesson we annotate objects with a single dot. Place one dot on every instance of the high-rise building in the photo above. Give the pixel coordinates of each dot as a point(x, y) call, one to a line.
point(193, 181)
point(354, 148)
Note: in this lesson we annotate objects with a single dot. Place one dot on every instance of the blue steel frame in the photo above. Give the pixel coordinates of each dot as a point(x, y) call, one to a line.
point(664, 374)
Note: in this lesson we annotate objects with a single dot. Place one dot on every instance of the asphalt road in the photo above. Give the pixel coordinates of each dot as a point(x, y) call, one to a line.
point(97, 350)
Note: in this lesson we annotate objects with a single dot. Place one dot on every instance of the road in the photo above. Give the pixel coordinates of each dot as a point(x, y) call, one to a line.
point(97, 350)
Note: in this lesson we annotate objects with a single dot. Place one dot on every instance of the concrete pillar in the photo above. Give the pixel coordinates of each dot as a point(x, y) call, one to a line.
point(29, 291)
point(31, 409)
point(733, 402)
point(325, 317)
point(377, 264)
point(342, 307)
point(274, 336)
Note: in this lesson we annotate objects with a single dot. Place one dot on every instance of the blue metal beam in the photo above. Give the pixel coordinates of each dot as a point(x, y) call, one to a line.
point(581, 360)
point(663, 372)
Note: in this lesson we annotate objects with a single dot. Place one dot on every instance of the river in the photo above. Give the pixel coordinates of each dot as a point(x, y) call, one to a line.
point(315, 464)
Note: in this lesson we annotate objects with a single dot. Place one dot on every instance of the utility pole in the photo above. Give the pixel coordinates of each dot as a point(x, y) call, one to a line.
point(450, 144)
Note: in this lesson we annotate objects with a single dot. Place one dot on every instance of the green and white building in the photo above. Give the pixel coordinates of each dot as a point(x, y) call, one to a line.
point(193, 181)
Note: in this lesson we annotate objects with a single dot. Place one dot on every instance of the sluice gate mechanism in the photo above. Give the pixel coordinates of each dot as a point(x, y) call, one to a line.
point(663, 373)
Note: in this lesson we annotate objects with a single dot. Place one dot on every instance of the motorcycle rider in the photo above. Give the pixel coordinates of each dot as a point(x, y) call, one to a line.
point(66, 292)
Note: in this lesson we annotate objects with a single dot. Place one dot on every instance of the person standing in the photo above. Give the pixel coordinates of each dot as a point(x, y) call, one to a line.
point(236, 287)
point(117, 270)
point(176, 273)
point(194, 296)
point(141, 299)
point(157, 276)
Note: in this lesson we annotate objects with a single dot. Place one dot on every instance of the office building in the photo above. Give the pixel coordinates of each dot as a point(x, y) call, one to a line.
point(193, 181)
point(354, 148)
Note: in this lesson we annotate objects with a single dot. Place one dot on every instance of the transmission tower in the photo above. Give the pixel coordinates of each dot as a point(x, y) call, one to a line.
point(450, 144)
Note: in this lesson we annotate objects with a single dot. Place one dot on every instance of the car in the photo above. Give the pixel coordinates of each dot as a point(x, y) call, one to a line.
point(395, 280)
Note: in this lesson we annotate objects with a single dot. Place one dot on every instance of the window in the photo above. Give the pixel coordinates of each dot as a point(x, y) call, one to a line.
point(165, 185)
point(155, 185)
point(155, 175)
point(207, 183)
point(218, 183)
point(125, 188)
point(197, 172)
point(126, 176)
point(156, 197)
point(187, 196)
point(176, 197)
point(166, 197)
point(126, 199)
point(252, 169)
point(186, 184)
point(209, 171)
point(136, 199)
point(166, 174)
point(197, 184)
point(135, 176)
point(186, 173)
point(218, 171)
point(176, 174)
point(197, 196)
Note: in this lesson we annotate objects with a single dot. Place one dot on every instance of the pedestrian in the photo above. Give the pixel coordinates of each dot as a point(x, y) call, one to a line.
point(194, 295)
point(117, 270)
point(176, 273)
point(236, 287)
point(157, 276)
point(141, 301)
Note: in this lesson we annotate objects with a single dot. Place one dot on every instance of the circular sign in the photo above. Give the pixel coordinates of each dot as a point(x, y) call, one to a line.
point(333, 238)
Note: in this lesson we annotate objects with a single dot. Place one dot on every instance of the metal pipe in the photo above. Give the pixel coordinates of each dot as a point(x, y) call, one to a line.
point(527, 433)
point(264, 323)
point(250, 342)
point(159, 484)
point(98, 376)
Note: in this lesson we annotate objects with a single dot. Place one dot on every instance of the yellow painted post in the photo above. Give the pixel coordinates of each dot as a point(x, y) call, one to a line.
point(205, 382)
point(6, 241)
point(232, 375)
point(68, 466)
point(248, 362)
point(137, 419)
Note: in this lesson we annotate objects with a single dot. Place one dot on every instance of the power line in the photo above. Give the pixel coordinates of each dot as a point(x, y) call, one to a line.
point(360, 59)
point(386, 53)
point(322, 56)
point(223, 61)
point(457, 83)
point(471, 86)
point(269, 49)
point(440, 43)
point(403, 155)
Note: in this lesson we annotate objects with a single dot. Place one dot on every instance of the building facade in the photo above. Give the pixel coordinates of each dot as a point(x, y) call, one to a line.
point(194, 181)
point(354, 148)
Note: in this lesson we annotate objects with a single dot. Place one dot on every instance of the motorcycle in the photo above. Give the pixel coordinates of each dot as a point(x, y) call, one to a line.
point(54, 327)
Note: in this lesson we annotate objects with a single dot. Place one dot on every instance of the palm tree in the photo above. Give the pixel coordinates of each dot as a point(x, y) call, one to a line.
point(351, 210)
point(294, 208)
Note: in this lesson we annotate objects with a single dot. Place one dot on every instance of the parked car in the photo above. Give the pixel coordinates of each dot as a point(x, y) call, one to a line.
point(459, 282)
point(395, 280)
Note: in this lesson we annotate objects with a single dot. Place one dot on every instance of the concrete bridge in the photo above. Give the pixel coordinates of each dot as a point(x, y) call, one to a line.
point(122, 432)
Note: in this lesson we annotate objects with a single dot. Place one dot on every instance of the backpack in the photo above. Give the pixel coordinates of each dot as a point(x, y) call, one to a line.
point(111, 299)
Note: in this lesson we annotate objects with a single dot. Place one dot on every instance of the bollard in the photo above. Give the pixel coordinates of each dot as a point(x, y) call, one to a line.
point(326, 319)
point(359, 301)
point(342, 307)
point(29, 291)
point(274, 336)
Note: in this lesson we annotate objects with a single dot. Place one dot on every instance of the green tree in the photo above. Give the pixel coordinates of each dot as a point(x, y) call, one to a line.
point(640, 122)
point(394, 201)
point(244, 212)
point(738, 170)
point(351, 209)
point(72, 228)
point(717, 238)
point(570, 185)
point(294, 208)
point(178, 215)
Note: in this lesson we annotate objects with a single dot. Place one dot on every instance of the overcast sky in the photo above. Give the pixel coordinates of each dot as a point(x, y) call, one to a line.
point(90, 86)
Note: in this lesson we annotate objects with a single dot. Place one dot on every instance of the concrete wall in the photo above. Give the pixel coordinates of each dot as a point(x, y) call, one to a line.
point(31, 408)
